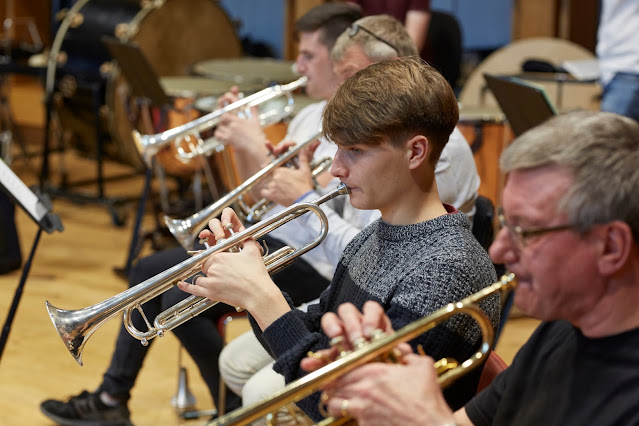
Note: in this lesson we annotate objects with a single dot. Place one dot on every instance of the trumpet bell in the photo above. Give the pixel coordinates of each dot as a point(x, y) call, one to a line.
point(74, 327)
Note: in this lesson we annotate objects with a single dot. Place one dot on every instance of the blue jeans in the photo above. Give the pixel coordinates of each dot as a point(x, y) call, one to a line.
point(621, 95)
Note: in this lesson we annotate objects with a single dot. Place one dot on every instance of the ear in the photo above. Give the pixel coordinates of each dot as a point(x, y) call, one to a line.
point(417, 149)
point(617, 245)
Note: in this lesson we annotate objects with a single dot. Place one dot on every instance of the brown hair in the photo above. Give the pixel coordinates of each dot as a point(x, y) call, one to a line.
point(393, 99)
point(332, 18)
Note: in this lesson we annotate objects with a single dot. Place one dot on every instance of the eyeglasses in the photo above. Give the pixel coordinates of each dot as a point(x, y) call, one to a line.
point(356, 27)
point(521, 235)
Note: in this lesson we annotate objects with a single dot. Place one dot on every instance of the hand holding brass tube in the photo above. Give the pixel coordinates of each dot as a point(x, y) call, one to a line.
point(149, 145)
point(379, 347)
point(187, 229)
point(76, 326)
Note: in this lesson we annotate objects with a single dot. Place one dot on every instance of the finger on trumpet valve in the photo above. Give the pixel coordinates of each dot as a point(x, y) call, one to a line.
point(445, 364)
point(359, 343)
point(321, 356)
point(236, 248)
point(339, 344)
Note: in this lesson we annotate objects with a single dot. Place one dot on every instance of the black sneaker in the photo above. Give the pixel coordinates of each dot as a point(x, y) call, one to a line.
point(86, 409)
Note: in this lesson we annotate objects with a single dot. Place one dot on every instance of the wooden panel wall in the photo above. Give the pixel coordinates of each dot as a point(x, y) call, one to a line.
point(293, 10)
point(38, 10)
point(574, 20)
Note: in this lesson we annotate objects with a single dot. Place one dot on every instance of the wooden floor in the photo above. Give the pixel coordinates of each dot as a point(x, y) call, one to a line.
point(74, 269)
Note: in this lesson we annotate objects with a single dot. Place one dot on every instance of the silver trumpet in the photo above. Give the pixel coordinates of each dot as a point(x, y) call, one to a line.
point(76, 326)
point(187, 229)
point(149, 145)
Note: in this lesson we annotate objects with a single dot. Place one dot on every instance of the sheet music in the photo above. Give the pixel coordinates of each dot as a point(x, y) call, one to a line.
point(18, 190)
point(583, 70)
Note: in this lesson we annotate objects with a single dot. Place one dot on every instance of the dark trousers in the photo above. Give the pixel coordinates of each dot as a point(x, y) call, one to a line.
point(199, 335)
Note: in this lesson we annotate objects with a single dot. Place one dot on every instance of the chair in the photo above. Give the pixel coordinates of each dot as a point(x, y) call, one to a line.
point(223, 322)
point(483, 228)
point(443, 48)
point(508, 61)
point(493, 366)
point(484, 232)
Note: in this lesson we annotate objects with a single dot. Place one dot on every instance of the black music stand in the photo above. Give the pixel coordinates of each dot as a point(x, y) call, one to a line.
point(524, 104)
point(141, 76)
point(145, 86)
point(38, 207)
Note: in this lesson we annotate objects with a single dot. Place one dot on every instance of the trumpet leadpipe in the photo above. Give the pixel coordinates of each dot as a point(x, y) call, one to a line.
point(186, 230)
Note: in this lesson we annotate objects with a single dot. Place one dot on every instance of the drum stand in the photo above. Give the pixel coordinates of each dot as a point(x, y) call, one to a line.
point(115, 205)
point(135, 243)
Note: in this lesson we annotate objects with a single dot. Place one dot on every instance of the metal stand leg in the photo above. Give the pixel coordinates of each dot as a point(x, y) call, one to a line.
point(113, 204)
point(135, 235)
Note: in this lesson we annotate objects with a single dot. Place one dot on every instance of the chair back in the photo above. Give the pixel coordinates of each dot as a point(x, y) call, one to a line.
point(493, 366)
point(483, 221)
point(443, 47)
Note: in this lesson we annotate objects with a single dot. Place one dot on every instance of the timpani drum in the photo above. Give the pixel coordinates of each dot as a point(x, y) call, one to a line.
point(263, 71)
point(186, 93)
point(172, 34)
point(488, 133)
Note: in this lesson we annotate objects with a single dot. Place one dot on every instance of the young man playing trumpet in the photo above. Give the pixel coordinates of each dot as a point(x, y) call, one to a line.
point(417, 257)
point(244, 364)
point(569, 232)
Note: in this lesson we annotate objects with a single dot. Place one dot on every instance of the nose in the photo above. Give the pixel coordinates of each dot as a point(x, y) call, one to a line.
point(502, 250)
point(337, 168)
point(299, 65)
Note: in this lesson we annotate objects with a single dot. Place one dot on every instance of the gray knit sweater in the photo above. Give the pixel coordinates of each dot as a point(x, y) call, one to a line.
point(411, 271)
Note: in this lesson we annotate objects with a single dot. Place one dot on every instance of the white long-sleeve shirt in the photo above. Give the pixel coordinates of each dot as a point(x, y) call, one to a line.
point(455, 173)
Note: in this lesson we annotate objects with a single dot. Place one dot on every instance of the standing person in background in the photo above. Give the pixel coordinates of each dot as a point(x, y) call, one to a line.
point(414, 14)
point(618, 54)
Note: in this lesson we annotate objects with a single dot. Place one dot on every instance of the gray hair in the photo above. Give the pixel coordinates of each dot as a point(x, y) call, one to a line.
point(602, 152)
point(385, 27)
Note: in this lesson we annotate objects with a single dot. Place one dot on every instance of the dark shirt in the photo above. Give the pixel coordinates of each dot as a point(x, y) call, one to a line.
point(561, 377)
point(396, 8)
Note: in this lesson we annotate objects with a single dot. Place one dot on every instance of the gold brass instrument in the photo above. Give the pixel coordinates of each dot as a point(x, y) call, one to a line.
point(186, 230)
point(76, 326)
point(371, 351)
point(149, 145)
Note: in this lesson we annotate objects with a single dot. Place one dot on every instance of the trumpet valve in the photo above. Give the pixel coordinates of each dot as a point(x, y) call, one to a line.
point(445, 364)
point(338, 343)
point(359, 343)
